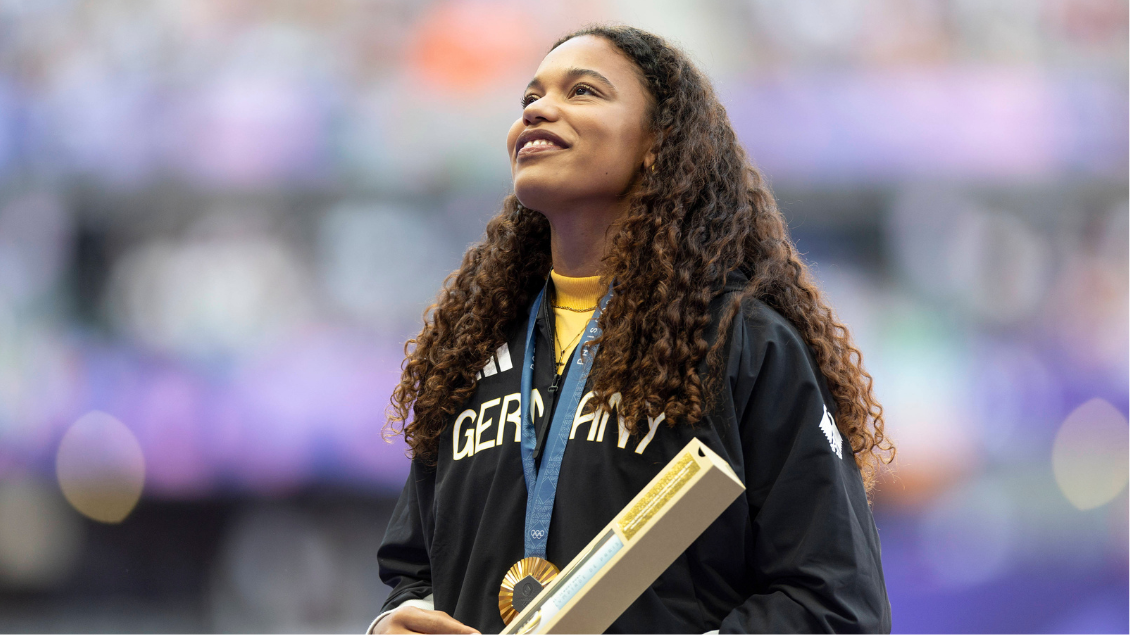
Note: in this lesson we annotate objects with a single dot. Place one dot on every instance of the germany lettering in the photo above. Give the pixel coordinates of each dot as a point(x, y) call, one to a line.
point(498, 420)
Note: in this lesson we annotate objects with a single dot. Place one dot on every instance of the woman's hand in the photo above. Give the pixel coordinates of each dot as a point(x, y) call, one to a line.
point(409, 619)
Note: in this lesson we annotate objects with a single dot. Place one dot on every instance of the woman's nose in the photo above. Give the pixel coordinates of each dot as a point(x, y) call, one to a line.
point(541, 109)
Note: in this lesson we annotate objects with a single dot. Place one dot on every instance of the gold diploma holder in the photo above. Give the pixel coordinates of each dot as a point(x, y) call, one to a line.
point(632, 551)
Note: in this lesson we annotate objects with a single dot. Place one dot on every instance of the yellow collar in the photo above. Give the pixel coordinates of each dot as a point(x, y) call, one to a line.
point(576, 293)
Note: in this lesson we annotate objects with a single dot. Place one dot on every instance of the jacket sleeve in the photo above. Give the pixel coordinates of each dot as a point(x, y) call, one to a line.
point(814, 557)
point(403, 557)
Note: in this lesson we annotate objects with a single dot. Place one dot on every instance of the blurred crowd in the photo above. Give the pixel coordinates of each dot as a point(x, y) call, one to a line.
point(220, 221)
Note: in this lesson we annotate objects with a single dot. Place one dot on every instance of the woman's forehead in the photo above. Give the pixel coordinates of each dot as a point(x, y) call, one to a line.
point(588, 52)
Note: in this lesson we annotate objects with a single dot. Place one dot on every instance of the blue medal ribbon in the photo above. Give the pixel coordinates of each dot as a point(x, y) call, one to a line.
point(541, 485)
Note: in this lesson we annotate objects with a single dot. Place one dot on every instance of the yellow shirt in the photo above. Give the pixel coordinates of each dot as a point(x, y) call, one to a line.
point(573, 306)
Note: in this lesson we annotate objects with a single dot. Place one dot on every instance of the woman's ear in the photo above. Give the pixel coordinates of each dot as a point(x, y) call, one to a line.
point(652, 155)
point(649, 159)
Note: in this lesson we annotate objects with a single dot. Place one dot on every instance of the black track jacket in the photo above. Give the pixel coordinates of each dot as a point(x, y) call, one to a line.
point(798, 552)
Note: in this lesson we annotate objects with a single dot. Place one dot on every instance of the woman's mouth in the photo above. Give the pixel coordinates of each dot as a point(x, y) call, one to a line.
point(537, 141)
point(534, 146)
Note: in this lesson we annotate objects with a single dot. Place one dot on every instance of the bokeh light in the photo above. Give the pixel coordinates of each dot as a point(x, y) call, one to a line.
point(1090, 454)
point(100, 467)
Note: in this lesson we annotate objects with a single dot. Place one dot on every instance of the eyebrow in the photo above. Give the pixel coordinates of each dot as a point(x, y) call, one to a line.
point(577, 73)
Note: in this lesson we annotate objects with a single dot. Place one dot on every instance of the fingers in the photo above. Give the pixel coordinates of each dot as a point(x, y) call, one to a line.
point(437, 622)
point(414, 620)
point(389, 624)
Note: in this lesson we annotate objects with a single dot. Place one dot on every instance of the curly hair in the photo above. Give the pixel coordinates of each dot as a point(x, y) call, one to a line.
point(702, 213)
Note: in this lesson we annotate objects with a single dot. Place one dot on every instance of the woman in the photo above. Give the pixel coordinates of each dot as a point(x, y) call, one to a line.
point(639, 235)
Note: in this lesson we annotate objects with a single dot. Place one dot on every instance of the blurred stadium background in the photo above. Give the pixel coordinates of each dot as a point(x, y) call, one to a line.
point(220, 220)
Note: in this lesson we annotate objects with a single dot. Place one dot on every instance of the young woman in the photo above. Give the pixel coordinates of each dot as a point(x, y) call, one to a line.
point(640, 270)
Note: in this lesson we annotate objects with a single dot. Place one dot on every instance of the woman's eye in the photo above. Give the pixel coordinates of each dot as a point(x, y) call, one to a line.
point(582, 89)
point(528, 99)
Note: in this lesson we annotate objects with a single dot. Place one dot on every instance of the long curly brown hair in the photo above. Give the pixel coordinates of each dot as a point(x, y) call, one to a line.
point(702, 213)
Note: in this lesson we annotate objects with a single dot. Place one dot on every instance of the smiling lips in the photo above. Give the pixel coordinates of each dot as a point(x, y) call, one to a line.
point(534, 146)
point(537, 142)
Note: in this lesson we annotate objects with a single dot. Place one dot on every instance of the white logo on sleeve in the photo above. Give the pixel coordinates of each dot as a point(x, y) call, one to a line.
point(498, 363)
point(828, 427)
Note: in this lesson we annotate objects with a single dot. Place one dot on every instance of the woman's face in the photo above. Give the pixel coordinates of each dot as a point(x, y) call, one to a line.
point(583, 134)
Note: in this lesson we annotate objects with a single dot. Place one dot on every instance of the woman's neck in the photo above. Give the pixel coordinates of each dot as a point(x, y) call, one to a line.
point(579, 239)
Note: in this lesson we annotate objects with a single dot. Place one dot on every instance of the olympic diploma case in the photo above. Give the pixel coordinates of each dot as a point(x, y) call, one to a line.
point(636, 547)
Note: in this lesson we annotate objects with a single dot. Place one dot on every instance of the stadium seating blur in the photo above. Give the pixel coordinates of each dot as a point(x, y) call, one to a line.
point(220, 221)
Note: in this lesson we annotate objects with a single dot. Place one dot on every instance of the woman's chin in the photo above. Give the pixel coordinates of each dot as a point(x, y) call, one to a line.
point(537, 196)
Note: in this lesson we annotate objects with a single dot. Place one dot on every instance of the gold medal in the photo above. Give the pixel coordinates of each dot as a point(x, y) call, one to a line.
point(521, 585)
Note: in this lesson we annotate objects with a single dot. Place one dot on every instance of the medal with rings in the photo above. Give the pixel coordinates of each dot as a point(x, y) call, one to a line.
point(522, 584)
point(526, 579)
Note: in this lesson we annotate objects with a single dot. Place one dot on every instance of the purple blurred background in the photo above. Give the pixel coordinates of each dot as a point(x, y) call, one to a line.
point(221, 220)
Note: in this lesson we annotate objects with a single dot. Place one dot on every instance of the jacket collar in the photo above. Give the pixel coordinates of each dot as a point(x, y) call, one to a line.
point(735, 281)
